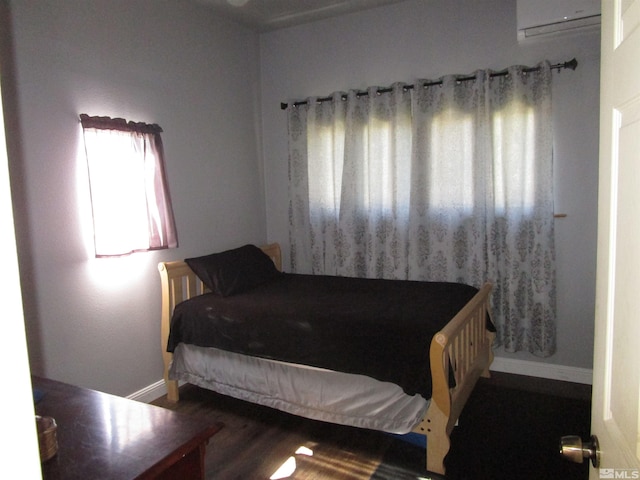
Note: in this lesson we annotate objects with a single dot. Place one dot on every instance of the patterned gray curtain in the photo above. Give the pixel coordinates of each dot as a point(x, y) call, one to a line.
point(444, 180)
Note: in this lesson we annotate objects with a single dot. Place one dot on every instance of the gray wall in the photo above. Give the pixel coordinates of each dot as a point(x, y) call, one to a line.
point(215, 88)
point(428, 39)
point(95, 322)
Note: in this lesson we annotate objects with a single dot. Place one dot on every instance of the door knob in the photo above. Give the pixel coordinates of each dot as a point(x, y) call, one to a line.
point(573, 448)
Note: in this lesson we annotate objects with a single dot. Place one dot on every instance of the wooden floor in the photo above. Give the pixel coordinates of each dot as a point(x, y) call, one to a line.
point(256, 441)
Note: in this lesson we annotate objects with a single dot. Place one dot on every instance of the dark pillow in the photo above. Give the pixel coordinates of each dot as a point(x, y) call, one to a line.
point(234, 271)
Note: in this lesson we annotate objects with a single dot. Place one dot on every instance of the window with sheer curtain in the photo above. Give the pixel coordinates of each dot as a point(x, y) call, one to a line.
point(444, 180)
point(129, 194)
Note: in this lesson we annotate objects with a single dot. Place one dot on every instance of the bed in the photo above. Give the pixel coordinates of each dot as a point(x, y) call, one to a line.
point(414, 383)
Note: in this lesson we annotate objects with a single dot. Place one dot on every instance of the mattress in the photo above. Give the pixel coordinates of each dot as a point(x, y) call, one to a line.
point(312, 392)
point(378, 328)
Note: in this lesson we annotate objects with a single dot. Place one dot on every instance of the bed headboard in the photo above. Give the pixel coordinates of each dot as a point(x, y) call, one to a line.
point(179, 283)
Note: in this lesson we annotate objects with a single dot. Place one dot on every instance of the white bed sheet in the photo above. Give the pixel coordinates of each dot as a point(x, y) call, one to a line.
point(311, 392)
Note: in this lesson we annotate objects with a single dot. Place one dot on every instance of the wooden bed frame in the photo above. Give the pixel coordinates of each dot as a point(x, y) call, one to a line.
point(463, 347)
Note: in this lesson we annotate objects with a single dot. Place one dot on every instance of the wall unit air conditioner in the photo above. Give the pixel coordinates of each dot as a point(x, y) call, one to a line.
point(544, 17)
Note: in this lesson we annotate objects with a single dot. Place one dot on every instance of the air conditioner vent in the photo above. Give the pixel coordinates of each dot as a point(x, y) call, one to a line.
point(546, 17)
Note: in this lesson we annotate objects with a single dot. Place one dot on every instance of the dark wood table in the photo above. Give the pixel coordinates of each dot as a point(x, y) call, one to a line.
point(102, 436)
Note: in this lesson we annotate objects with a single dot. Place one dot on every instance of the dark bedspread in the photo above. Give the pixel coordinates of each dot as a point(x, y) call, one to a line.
point(379, 328)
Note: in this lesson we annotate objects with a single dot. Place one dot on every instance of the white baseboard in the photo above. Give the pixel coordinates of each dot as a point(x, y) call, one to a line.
point(543, 370)
point(149, 393)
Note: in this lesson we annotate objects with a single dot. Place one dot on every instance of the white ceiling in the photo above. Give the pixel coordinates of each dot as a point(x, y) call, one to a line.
point(266, 15)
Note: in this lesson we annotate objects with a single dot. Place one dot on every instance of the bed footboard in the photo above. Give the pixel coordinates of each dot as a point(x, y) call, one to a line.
point(463, 347)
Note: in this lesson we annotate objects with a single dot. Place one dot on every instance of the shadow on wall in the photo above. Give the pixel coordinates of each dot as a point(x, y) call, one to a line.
point(17, 174)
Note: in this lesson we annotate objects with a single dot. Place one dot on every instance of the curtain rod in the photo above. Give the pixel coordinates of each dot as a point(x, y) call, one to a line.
point(570, 64)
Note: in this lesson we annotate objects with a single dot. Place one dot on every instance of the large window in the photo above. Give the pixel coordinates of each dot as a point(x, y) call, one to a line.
point(439, 181)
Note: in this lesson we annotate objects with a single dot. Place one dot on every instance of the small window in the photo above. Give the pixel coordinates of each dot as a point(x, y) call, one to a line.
point(129, 194)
